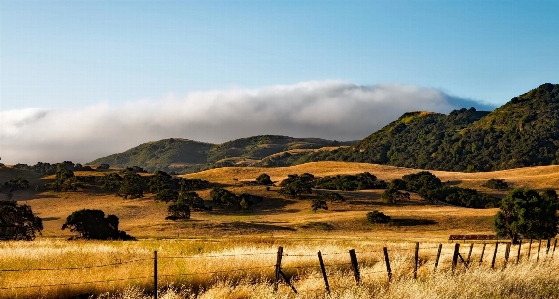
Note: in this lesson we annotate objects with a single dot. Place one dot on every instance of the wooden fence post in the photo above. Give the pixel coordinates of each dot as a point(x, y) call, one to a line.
point(469, 254)
point(387, 262)
point(539, 248)
point(482, 252)
point(455, 256)
point(416, 260)
point(518, 254)
point(547, 248)
point(507, 253)
point(323, 269)
point(529, 249)
point(494, 255)
point(155, 274)
point(554, 245)
point(354, 265)
point(278, 268)
point(438, 256)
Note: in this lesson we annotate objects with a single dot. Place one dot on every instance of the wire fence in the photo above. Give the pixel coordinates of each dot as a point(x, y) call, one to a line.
point(371, 262)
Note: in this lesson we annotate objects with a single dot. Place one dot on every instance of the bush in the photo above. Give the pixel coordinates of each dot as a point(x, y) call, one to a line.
point(264, 179)
point(376, 217)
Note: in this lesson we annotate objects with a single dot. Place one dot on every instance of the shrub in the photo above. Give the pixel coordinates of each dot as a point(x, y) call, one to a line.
point(376, 217)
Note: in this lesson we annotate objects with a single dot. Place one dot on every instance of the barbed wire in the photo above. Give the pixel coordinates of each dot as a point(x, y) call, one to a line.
point(214, 255)
point(76, 268)
point(215, 272)
point(75, 283)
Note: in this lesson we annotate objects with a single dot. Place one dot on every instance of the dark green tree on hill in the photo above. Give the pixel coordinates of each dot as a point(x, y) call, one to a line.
point(525, 213)
point(294, 186)
point(111, 182)
point(132, 185)
point(64, 180)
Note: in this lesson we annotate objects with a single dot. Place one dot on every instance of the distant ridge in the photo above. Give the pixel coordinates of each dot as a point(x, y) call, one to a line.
point(186, 156)
point(523, 132)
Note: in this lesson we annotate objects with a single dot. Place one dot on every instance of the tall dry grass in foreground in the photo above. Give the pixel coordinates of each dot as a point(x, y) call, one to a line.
point(244, 268)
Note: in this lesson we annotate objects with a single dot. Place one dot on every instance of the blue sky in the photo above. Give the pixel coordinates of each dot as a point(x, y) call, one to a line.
point(75, 53)
point(164, 69)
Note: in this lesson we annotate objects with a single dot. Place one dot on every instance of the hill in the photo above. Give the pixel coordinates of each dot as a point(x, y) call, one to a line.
point(521, 133)
point(187, 156)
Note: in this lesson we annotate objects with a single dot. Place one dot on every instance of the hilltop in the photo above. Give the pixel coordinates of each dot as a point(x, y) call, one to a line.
point(521, 133)
point(187, 156)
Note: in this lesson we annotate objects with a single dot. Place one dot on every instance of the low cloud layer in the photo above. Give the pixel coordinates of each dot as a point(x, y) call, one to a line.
point(325, 109)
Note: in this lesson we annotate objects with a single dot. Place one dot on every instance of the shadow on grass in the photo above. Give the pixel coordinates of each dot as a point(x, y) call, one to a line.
point(412, 222)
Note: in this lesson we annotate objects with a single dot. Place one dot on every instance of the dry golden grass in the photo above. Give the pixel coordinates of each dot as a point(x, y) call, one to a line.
point(244, 268)
point(538, 177)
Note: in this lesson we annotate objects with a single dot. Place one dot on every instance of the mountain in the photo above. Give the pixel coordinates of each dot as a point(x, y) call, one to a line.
point(183, 155)
point(523, 132)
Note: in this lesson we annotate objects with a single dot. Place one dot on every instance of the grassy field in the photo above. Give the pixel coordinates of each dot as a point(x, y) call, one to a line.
point(244, 268)
point(275, 222)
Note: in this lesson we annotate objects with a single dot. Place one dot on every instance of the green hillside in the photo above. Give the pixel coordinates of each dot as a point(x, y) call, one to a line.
point(185, 156)
point(521, 133)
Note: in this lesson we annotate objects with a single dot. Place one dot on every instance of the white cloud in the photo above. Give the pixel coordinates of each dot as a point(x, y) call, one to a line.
point(325, 109)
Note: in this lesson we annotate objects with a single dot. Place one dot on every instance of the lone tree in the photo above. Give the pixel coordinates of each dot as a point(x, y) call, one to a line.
point(529, 214)
point(92, 224)
point(22, 217)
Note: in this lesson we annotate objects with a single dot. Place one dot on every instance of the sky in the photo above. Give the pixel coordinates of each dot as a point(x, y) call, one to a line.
point(84, 79)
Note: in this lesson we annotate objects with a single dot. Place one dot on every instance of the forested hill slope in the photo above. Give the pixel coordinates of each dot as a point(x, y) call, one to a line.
point(187, 156)
point(523, 132)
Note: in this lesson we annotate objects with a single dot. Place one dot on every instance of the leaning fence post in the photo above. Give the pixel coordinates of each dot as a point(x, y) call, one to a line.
point(387, 262)
point(416, 260)
point(323, 269)
point(554, 245)
point(438, 256)
point(155, 274)
point(518, 254)
point(278, 268)
point(507, 252)
point(354, 265)
point(469, 254)
point(530, 249)
point(494, 255)
point(539, 247)
point(547, 248)
point(455, 256)
point(482, 252)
